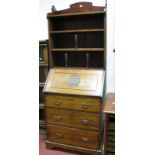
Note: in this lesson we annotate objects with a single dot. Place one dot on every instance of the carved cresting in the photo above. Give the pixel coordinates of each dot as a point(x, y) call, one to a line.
point(80, 7)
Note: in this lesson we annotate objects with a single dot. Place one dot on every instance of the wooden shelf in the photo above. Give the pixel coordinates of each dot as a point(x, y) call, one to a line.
point(74, 14)
point(43, 65)
point(42, 123)
point(78, 49)
point(41, 84)
point(41, 105)
point(80, 30)
point(42, 44)
point(41, 131)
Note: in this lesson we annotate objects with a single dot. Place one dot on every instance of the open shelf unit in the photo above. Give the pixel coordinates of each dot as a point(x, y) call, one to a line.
point(76, 41)
point(43, 71)
point(77, 38)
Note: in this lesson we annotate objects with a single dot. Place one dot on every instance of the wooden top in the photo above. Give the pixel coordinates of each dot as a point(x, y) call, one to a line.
point(109, 104)
point(79, 8)
point(88, 82)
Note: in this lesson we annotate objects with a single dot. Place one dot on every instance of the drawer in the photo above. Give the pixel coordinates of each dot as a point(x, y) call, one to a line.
point(72, 136)
point(70, 118)
point(74, 103)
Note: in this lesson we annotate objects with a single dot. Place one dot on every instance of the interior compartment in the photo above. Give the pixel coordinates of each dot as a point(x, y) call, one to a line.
point(76, 59)
point(42, 74)
point(41, 114)
point(78, 40)
point(59, 58)
point(94, 21)
point(41, 95)
point(96, 59)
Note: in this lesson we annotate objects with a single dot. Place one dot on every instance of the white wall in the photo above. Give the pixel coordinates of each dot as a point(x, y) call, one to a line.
point(110, 74)
point(45, 7)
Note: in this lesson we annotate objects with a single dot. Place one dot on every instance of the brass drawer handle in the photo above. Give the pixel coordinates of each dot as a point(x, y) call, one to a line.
point(85, 105)
point(85, 122)
point(58, 118)
point(59, 135)
point(84, 139)
point(57, 103)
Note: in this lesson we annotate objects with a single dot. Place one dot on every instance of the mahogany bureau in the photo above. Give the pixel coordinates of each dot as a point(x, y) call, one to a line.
point(73, 109)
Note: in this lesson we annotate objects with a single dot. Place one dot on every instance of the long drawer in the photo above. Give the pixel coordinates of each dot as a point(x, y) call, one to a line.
point(71, 118)
point(73, 103)
point(72, 136)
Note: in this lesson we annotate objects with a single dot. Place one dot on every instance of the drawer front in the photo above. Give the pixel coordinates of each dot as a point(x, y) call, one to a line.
point(73, 136)
point(71, 118)
point(74, 103)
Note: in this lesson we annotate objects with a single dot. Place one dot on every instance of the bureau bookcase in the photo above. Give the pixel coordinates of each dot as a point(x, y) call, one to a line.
point(73, 91)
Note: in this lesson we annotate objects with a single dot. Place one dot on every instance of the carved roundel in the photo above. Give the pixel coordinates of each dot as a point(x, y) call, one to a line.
point(74, 80)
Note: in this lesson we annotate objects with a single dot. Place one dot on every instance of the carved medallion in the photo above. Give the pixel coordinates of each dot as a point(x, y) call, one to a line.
point(74, 80)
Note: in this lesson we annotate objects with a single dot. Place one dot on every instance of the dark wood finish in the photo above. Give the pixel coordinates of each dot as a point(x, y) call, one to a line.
point(78, 40)
point(75, 31)
point(78, 9)
point(109, 130)
point(43, 71)
point(76, 36)
point(75, 14)
point(43, 54)
point(74, 111)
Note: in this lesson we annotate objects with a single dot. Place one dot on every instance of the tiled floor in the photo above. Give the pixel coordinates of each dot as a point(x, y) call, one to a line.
point(44, 151)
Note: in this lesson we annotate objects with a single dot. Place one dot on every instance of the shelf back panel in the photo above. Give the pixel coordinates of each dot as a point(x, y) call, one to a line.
point(79, 22)
point(78, 40)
